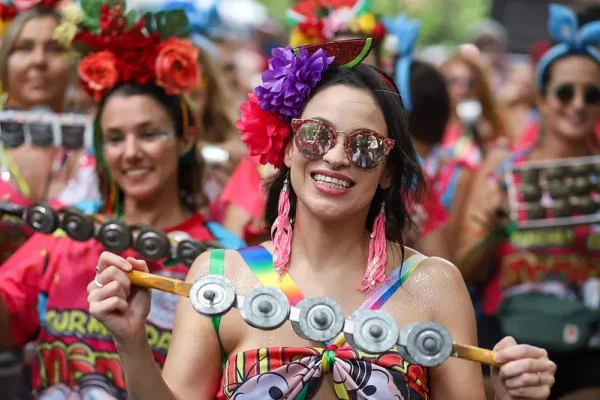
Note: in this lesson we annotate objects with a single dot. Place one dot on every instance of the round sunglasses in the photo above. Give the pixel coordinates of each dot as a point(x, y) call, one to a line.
point(314, 138)
point(566, 93)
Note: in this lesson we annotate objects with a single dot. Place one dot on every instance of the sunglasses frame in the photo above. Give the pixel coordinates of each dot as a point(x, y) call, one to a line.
point(573, 88)
point(388, 144)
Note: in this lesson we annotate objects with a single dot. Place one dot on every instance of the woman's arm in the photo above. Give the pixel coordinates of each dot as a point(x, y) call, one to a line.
point(20, 283)
point(527, 373)
point(448, 302)
point(192, 369)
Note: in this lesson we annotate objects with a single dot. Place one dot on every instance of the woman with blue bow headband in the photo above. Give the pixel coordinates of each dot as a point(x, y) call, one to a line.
point(536, 280)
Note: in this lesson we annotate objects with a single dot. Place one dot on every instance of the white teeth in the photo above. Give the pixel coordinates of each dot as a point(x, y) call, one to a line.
point(136, 172)
point(334, 183)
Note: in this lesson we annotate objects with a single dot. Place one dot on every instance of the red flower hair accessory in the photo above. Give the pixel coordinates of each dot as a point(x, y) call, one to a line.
point(120, 47)
point(284, 91)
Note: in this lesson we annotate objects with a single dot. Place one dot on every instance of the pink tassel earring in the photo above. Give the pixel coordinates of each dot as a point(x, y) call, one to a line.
point(375, 273)
point(281, 231)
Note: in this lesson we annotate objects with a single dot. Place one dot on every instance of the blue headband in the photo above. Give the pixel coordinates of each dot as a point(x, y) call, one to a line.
point(407, 32)
point(562, 27)
point(202, 22)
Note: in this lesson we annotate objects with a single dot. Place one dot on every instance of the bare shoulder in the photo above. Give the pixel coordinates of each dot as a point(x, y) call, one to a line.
point(234, 269)
point(437, 283)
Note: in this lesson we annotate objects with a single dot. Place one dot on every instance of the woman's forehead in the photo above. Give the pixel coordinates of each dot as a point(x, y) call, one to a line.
point(347, 109)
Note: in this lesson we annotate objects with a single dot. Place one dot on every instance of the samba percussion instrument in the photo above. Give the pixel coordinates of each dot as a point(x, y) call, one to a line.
point(554, 193)
point(115, 236)
point(45, 129)
point(318, 319)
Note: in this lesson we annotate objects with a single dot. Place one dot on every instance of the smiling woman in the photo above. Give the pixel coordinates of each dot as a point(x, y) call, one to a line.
point(35, 73)
point(145, 141)
point(337, 210)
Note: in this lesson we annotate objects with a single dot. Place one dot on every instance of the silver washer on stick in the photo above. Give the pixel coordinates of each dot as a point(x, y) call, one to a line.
point(265, 308)
point(212, 295)
point(375, 332)
point(429, 344)
point(321, 319)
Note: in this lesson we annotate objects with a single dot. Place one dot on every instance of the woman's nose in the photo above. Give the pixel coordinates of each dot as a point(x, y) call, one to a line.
point(337, 156)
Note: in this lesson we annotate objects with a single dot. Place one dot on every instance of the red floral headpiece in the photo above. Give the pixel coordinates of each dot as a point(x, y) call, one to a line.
point(316, 21)
point(121, 47)
point(10, 8)
point(284, 91)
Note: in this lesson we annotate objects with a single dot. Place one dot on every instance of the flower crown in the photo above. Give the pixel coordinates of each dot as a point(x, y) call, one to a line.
point(285, 89)
point(10, 8)
point(120, 46)
point(320, 22)
point(563, 29)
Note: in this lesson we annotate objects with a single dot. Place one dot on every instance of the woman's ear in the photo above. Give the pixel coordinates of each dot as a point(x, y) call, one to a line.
point(289, 151)
point(385, 181)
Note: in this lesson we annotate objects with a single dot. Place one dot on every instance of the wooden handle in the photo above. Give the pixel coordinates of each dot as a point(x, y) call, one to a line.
point(161, 283)
point(473, 353)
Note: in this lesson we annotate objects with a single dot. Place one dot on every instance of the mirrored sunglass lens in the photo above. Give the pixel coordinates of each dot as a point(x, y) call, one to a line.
point(313, 140)
point(565, 93)
point(592, 95)
point(367, 151)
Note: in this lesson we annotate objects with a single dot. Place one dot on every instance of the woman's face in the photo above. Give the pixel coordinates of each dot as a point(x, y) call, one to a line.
point(140, 145)
point(461, 82)
point(38, 67)
point(571, 106)
point(346, 110)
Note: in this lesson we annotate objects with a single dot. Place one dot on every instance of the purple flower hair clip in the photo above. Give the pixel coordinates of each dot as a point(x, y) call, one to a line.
point(288, 82)
point(293, 73)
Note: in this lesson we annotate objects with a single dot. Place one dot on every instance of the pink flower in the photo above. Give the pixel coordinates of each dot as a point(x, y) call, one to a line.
point(263, 132)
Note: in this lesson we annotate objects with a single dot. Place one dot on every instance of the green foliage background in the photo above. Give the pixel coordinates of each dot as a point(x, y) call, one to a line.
point(443, 21)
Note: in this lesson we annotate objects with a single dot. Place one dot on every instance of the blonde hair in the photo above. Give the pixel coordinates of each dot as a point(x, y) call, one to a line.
point(217, 119)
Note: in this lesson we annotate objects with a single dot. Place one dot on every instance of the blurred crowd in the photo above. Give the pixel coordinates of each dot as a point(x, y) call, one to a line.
point(475, 112)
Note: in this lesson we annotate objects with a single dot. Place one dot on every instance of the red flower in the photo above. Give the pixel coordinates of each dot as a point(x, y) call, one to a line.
point(135, 53)
point(177, 67)
point(313, 29)
point(7, 13)
point(378, 32)
point(99, 73)
point(263, 132)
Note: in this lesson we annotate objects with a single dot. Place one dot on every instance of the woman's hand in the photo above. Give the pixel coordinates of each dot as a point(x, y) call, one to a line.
point(122, 309)
point(527, 372)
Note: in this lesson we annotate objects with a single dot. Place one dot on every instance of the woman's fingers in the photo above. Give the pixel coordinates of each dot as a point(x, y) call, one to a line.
point(107, 277)
point(107, 259)
point(102, 309)
point(111, 289)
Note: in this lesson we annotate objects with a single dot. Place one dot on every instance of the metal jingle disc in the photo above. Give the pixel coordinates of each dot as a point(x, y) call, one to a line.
point(586, 205)
point(561, 208)
point(42, 218)
point(321, 319)
point(429, 344)
point(531, 192)
point(557, 172)
point(375, 332)
point(77, 225)
point(265, 308)
point(298, 330)
point(114, 236)
point(531, 176)
point(152, 244)
point(581, 186)
point(404, 354)
point(188, 251)
point(535, 211)
point(212, 295)
point(577, 170)
point(558, 190)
